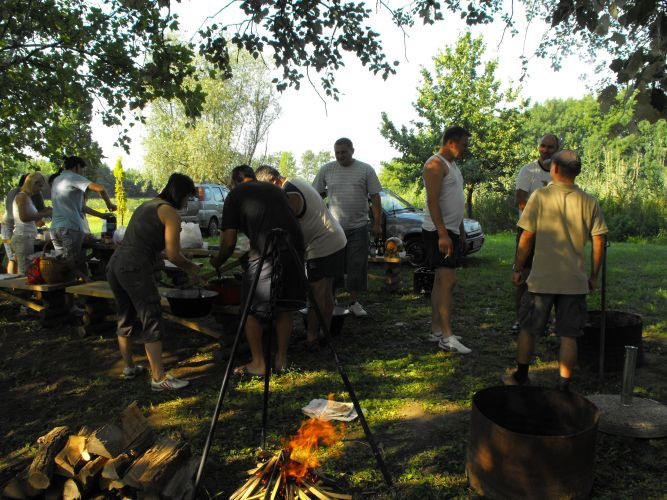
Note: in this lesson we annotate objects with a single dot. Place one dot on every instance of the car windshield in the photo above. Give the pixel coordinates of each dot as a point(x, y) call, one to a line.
point(391, 202)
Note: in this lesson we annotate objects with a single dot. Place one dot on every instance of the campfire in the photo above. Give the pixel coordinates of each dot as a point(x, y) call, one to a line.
point(290, 473)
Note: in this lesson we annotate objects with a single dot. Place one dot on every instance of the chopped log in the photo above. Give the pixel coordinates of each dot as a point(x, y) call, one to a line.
point(112, 439)
point(181, 486)
point(18, 487)
point(71, 457)
point(115, 468)
point(107, 441)
point(91, 472)
point(71, 490)
point(41, 468)
point(13, 464)
point(153, 469)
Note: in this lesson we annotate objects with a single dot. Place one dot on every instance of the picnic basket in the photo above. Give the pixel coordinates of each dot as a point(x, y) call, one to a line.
point(54, 269)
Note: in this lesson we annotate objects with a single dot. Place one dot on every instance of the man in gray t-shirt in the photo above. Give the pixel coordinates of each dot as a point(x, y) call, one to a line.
point(347, 183)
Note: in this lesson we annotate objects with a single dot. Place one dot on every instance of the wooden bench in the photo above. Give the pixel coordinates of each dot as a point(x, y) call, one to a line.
point(50, 302)
point(98, 295)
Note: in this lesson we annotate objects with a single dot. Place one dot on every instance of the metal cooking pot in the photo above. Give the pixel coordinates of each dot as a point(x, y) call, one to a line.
point(228, 288)
point(191, 303)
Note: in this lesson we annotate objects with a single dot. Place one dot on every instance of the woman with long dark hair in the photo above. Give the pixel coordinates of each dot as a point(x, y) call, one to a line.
point(155, 227)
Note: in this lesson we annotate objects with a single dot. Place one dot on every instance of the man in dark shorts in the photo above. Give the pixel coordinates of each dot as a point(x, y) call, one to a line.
point(531, 177)
point(325, 243)
point(557, 222)
point(443, 232)
point(255, 209)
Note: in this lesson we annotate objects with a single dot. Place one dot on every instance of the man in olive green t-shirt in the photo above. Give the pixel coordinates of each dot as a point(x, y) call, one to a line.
point(557, 222)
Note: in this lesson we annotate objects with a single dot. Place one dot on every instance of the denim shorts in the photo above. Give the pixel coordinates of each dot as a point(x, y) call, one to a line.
point(570, 313)
point(356, 259)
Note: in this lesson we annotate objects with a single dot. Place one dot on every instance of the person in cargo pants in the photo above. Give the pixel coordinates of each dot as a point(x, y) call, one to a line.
point(155, 227)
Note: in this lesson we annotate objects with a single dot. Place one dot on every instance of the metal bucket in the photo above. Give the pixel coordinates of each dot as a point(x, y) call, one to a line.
point(531, 442)
point(621, 329)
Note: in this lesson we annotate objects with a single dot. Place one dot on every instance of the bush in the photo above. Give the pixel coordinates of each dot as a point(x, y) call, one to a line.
point(495, 211)
point(635, 218)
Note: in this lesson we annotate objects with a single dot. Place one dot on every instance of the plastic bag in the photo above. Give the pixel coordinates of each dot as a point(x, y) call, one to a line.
point(191, 235)
point(118, 235)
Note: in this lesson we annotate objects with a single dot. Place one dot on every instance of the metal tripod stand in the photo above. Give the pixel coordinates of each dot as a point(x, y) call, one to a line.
point(279, 239)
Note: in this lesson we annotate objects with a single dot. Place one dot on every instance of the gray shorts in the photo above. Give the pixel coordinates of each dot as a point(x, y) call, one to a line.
point(69, 244)
point(356, 259)
point(137, 299)
point(570, 313)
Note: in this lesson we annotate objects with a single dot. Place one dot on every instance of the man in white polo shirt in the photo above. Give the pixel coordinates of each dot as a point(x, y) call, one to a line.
point(532, 176)
point(347, 183)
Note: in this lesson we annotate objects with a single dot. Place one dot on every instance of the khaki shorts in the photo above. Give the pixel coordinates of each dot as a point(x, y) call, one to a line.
point(570, 313)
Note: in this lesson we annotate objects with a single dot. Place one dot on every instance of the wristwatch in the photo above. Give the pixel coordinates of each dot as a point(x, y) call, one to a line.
point(516, 269)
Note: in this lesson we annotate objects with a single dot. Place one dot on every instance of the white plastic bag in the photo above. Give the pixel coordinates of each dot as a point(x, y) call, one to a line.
point(191, 235)
point(118, 235)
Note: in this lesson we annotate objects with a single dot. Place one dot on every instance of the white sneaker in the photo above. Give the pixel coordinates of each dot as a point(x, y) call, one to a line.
point(168, 383)
point(357, 310)
point(453, 344)
point(437, 337)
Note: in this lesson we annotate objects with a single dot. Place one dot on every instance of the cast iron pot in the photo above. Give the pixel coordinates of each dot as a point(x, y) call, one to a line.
point(228, 288)
point(191, 303)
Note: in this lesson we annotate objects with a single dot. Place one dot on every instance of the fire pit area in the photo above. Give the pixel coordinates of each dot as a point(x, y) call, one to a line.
point(531, 442)
point(291, 473)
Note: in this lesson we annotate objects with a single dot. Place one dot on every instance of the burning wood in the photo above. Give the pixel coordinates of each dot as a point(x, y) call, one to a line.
point(289, 474)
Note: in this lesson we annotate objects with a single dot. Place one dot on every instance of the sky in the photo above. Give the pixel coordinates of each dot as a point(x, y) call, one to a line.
point(306, 122)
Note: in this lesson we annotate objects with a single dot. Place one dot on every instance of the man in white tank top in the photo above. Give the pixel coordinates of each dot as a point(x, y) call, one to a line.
point(443, 232)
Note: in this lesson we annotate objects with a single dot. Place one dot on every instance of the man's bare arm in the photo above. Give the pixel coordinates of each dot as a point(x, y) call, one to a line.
point(597, 250)
point(520, 198)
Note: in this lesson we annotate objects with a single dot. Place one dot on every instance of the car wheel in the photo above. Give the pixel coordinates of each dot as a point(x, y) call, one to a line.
point(414, 249)
point(213, 227)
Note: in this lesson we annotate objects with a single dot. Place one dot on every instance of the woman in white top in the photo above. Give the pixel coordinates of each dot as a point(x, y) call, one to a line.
point(26, 217)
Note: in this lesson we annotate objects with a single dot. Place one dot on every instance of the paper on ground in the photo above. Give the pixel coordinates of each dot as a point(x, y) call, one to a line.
point(326, 409)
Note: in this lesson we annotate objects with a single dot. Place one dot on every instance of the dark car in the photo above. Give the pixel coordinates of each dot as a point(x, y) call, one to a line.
point(402, 219)
point(206, 207)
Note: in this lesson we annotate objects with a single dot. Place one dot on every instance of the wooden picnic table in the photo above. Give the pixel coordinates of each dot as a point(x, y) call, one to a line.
point(50, 302)
point(99, 310)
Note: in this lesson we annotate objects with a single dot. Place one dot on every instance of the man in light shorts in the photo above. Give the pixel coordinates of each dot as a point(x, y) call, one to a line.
point(557, 222)
point(347, 183)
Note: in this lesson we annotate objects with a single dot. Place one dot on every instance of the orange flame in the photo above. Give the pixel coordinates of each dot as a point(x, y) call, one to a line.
point(302, 448)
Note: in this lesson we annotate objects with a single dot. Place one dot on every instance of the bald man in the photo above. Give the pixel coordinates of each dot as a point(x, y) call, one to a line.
point(532, 176)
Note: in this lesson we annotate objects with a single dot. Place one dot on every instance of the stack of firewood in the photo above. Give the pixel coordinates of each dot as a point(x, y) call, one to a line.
point(121, 459)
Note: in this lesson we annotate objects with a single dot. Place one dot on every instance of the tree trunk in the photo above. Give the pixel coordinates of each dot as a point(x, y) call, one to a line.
point(469, 191)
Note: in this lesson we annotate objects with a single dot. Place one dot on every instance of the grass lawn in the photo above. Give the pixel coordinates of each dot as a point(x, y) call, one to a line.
point(416, 397)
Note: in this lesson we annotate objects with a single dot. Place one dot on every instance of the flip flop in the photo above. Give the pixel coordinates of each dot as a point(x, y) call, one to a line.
point(242, 370)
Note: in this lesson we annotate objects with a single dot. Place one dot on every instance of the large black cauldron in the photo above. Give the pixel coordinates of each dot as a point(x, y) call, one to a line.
point(621, 329)
point(531, 442)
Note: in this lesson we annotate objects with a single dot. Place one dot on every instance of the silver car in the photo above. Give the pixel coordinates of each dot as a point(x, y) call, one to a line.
point(404, 220)
point(206, 207)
